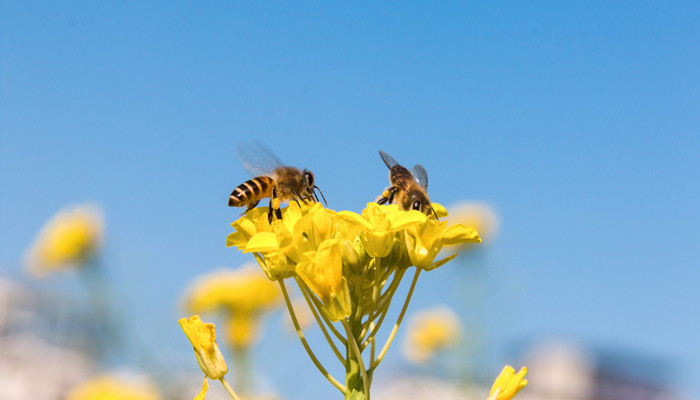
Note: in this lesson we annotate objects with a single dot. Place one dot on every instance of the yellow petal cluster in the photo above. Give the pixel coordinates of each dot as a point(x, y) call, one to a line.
point(508, 383)
point(114, 387)
point(68, 240)
point(341, 255)
point(241, 296)
point(430, 332)
point(202, 336)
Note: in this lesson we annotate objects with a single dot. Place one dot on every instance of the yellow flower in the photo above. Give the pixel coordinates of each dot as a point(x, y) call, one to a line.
point(323, 273)
point(114, 387)
point(242, 330)
point(481, 216)
point(424, 241)
point(67, 241)
point(242, 295)
point(430, 332)
point(202, 337)
point(343, 255)
point(508, 383)
point(244, 290)
point(379, 224)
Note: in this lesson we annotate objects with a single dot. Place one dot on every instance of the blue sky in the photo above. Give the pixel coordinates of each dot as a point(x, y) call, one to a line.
point(577, 122)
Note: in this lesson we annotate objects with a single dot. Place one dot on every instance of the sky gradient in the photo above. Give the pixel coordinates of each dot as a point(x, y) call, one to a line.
point(577, 122)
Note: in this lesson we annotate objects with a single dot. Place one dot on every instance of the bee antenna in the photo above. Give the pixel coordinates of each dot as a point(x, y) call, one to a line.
point(434, 213)
point(324, 197)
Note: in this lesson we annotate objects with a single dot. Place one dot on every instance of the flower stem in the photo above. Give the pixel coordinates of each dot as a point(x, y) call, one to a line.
point(381, 355)
point(320, 322)
point(318, 365)
point(384, 308)
point(319, 307)
point(358, 356)
point(228, 388)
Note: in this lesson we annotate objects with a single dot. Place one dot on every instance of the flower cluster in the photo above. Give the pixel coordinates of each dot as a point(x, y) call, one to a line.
point(348, 267)
point(343, 257)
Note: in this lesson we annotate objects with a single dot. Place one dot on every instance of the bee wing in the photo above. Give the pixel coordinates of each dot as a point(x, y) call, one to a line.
point(420, 174)
point(388, 160)
point(257, 158)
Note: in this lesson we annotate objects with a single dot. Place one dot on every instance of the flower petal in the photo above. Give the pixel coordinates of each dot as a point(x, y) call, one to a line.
point(457, 234)
point(262, 242)
point(408, 218)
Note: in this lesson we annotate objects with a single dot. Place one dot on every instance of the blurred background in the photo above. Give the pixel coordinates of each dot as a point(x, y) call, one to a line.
point(568, 130)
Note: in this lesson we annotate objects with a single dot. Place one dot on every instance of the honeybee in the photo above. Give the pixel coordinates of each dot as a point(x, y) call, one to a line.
point(274, 180)
point(408, 188)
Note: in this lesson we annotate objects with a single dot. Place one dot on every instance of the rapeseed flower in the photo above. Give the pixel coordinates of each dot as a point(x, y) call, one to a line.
point(430, 332)
point(203, 338)
point(68, 240)
point(114, 387)
point(348, 267)
point(508, 383)
point(241, 296)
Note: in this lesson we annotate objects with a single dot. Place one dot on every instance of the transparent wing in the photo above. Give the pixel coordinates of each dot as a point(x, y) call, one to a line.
point(257, 158)
point(388, 160)
point(421, 175)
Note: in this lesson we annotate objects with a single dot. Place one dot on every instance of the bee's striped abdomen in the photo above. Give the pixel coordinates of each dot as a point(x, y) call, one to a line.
point(250, 191)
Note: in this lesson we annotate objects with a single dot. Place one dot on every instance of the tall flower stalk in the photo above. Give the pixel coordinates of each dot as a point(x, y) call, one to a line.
point(348, 267)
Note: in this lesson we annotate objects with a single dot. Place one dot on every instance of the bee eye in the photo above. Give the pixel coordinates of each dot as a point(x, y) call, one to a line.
point(416, 205)
point(309, 178)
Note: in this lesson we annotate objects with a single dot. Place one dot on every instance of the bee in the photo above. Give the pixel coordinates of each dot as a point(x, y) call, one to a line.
point(408, 188)
point(274, 180)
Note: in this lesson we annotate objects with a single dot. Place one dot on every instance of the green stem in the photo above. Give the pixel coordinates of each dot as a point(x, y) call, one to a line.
point(243, 369)
point(311, 354)
point(358, 356)
point(384, 309)
point(228, 388)
point(381, 355)
point(319, 306)
point(320, 322)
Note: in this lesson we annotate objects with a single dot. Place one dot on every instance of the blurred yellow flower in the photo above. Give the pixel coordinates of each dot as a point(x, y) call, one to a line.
point(68, 240)
point(508, 383)
point(202, 336)
point(430, 332)
point(481, 216)
point(114, 387)
point(241, 295)
point(244, 290)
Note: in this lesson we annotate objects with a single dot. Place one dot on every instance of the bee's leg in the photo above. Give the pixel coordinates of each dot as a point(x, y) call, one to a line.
point(298, 197)
point(250, 206)
point(274, 205)
point(388, 195)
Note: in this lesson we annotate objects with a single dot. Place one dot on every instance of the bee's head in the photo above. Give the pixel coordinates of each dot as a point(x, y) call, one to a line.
point(308, 179)
point(419, 201)
point(309, 185)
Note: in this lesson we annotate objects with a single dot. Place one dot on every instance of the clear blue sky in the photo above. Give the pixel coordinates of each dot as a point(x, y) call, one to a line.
point(579, 122)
